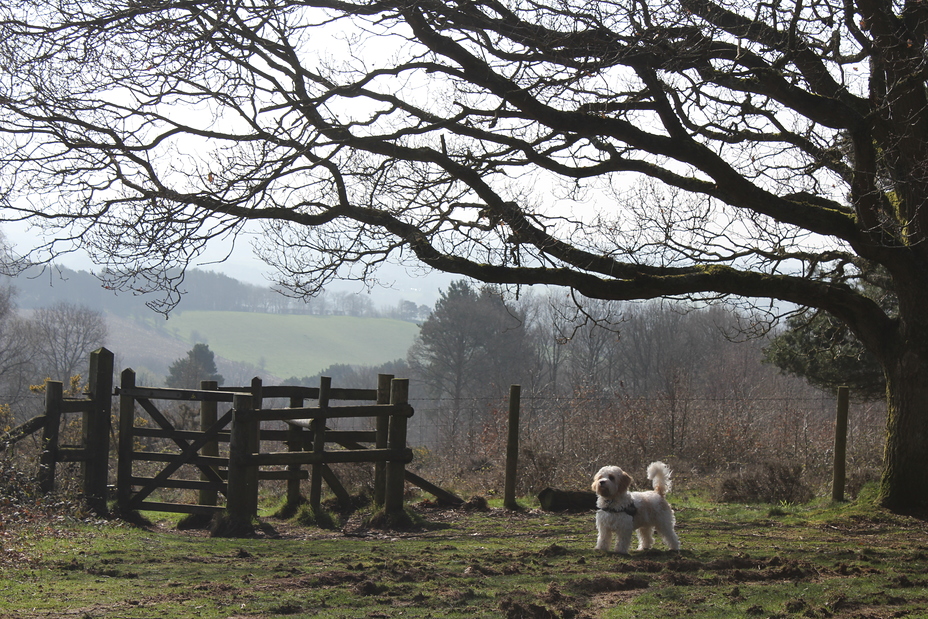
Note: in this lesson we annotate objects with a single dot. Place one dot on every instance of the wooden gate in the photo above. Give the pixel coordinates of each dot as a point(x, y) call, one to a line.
point(93, 451)
point(305, 436)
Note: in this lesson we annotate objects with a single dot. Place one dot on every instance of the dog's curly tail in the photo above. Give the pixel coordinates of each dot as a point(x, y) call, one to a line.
point(659, 475)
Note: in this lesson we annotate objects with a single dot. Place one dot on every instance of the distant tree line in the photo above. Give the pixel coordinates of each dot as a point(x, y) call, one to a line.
point(709, 385)
point(203, 291)
point(475, 343)
point(711, 388)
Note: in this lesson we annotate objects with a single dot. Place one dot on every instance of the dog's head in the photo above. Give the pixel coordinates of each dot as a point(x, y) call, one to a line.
point(611, 481)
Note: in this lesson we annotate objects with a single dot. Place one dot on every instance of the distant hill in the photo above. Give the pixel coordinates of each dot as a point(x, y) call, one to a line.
point(201, 291)
point(254, 331)
point(268, 345)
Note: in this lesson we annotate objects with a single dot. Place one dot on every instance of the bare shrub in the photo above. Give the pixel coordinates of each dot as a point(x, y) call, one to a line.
point(771, 482)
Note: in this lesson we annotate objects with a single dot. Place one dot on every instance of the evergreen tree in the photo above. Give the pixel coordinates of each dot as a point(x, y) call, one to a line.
point(471, 344)
point(198, 365)
point(823, 350)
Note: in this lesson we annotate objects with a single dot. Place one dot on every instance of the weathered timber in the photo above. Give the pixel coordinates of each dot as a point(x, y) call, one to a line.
point(73, 453)
point(512, 449)
point(309, 393)
point(54, 395)
point(340, 456)
point(22, 431)
point(294, 443)
point(318, 428)
point(444, 497)
point(182, 508)
point(343, 437)
point(189, 454)
point(185, 435)
point(185, 484)
point(396, 441)
point(209, 415)
point(284, 475)
point(125, 441)
point(553, 500)
point(384, 381)
point(242, 495)
point(77, 405)
point(335, 485)
point(181, 395)
point(839, 474)
point(160, 456)
point(304, 416)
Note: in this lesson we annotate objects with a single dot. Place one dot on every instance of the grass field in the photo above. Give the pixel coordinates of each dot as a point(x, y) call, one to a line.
point(290, 345)
point(818, 560)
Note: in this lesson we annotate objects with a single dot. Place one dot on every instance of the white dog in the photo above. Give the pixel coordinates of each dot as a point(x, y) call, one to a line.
point(620, 512)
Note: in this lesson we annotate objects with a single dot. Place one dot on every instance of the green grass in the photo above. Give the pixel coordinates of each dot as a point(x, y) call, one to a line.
point(288, 345)
point(817, 560)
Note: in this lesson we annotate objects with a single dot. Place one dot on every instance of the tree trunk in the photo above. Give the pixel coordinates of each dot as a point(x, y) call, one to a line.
point(904, 484)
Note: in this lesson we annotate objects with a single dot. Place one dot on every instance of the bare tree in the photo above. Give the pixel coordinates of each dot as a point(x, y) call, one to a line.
point(15, 354)
point(785, 146)
point(62, 337)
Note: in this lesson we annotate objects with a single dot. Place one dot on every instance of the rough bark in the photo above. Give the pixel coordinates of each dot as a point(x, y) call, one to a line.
point(904, 482)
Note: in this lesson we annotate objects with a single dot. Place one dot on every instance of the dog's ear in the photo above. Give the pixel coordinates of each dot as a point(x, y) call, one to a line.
point(625, 482)
point(595, 485)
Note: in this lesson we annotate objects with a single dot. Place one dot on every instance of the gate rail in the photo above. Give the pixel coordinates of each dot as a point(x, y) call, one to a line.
point(236, 476)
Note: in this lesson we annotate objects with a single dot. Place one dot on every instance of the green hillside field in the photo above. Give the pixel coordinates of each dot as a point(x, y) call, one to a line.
point(294, 345)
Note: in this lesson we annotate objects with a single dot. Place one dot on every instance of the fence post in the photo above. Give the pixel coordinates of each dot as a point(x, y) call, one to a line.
point(96, 430)
point(294, 443)
point(512, 449)
point(209, 414)
point(125, 441)
point(242, 502)
point(54, 397)
point(315, 487)
point(396, 469)
point(840, 463)
point(380, 442)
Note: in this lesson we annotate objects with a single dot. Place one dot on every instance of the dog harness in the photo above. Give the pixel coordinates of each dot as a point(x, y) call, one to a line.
point(629, 509)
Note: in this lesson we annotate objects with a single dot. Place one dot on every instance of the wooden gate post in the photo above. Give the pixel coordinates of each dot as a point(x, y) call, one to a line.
point(315, 487)
point(209, 413)
point(396, 469)
point(512, 449)
point(294, 443)
point(242, 501)
point(96, 430)
point(54, 399)
point(125, 441)
point(380, 442)
point(840, 463)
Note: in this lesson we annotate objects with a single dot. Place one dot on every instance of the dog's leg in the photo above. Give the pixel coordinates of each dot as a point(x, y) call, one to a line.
point(622, 542)
point(670, 538)
point(603, 533)
point(623, 536)
point(603, 539)
point(645, 537)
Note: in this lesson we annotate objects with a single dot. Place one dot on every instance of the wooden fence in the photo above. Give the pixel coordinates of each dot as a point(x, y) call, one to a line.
point(236, 475)
point(95, 408)
point(301, 428)
point(232, 472)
